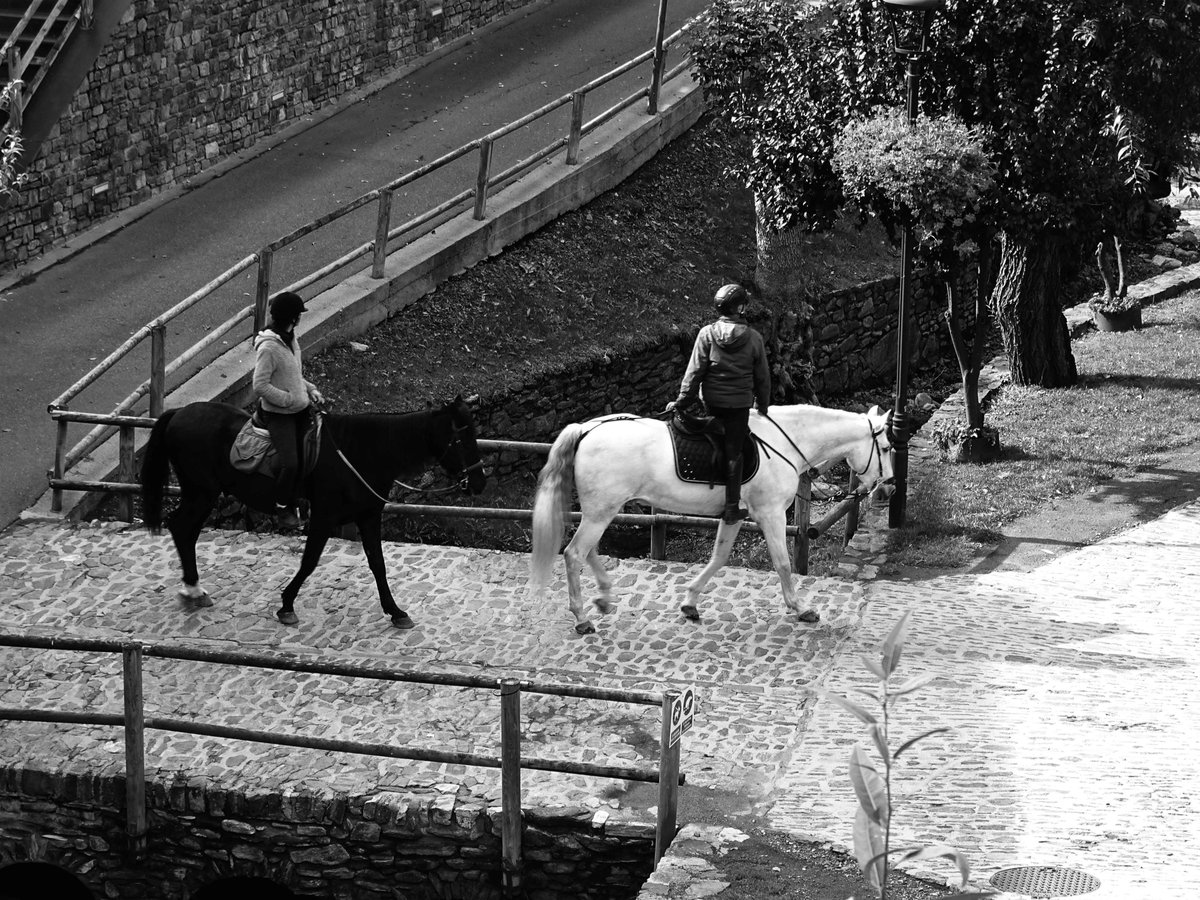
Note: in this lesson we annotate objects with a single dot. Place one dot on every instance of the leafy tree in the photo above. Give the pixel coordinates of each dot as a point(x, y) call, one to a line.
point(1083, 102)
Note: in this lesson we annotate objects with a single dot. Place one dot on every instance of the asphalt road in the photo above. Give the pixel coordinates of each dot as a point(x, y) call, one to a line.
point(58, 321)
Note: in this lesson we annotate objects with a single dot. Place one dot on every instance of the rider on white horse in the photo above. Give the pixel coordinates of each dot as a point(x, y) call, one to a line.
point(728, 368)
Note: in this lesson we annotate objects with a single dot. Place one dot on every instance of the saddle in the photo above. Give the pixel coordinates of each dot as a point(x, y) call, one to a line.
point(699, 443)
point(253, 453)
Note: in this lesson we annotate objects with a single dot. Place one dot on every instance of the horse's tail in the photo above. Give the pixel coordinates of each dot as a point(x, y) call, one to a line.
point(550, 505)
point(155, 468)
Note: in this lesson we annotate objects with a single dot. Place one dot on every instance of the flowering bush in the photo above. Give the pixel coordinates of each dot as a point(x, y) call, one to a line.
point(935, 175)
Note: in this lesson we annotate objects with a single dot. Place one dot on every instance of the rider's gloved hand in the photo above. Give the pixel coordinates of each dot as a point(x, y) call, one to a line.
point(671, 407)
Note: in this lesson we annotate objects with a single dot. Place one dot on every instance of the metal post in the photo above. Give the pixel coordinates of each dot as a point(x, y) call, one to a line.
point(576, 134)
point(510, 783)
point(158, 369)
point(481, 184)
point(261, 298)
point(135, 752)
point(898, 505)
point(668, 775)
point(660, 58)
point(125, 469)
point(852, 515)
point(382, 225)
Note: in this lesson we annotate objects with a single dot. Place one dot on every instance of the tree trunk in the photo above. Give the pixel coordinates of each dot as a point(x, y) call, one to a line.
point(1027, 305)
point(780, 278)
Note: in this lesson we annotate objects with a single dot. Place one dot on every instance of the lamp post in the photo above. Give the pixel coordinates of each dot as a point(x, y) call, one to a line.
point(910, 21)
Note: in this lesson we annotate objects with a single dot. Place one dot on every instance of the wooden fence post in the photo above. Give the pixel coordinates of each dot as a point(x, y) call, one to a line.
point(60, 450)
point(158, 369)
point(660, 58)
point(382, 225)
point(800, 516)
point(668, 774)
point(126, 473)
point(510, 783)
point(481, 183)
point(658, 538)
point(263, 296)
point(135, 752)
point(852, 513)
point(16, 105)
point(576, 134)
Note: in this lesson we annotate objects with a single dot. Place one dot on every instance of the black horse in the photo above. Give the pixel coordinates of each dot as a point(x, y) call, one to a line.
point(360, 457)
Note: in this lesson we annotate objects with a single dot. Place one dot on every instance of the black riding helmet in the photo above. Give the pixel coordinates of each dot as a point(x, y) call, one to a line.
point(729, 298)
point(286, 306)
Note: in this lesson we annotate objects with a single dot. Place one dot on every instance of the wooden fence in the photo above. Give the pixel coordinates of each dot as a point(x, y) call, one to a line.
point(511, 760)
point(152, 392)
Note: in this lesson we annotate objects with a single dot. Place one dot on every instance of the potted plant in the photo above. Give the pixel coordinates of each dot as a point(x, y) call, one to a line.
point(1114, 310)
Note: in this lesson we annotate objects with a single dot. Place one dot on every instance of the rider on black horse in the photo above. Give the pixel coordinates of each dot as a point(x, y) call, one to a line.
point(728, 368)
point(284, 398)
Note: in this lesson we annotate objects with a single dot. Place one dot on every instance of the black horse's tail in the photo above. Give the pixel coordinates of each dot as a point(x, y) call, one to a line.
point(155, 468)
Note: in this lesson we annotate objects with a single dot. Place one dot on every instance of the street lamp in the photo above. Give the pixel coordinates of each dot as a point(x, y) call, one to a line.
point(910, 21)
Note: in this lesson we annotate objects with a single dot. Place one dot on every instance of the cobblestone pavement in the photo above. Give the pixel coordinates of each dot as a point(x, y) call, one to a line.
point(1072, 695)
point(749, 664)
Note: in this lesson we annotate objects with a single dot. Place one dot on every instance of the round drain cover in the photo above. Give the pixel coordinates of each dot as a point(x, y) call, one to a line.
point(1045, 881)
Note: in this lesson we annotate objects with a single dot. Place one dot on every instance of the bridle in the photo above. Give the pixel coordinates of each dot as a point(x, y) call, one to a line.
point(456, 442)
point(812, 471)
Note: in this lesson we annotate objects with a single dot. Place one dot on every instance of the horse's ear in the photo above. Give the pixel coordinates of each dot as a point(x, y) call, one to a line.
point(874, 411)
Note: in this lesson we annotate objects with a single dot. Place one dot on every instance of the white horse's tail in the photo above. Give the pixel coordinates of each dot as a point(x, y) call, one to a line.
point(550, 506)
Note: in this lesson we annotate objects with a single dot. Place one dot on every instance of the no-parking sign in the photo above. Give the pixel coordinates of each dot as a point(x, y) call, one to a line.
point(683, 709)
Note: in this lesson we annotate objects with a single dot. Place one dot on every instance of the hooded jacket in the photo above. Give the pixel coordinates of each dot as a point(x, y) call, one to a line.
point(278, 381)
point(728, 367)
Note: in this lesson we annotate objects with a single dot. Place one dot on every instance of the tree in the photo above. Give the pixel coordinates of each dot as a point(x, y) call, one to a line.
point(10, 145)
point(1083, 102)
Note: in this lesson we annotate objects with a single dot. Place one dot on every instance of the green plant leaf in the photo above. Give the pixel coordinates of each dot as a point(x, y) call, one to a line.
point(848, 705)
point(894, 644)
point(936, 851)
point(875, 668)
point(919, 737)
point(870, 694)
point(868, 849)
point(868, 786)
point(913, 684)
point(880, 741)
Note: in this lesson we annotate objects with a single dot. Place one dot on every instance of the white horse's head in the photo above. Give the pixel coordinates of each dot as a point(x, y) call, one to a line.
point(871, 458)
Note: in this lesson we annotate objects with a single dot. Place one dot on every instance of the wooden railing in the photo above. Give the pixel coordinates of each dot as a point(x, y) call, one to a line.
point(511, 761)
point(161, 372)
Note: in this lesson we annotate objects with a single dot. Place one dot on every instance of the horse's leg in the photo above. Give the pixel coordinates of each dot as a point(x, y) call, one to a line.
point(314, 546)
point(773, 528)
point(370, 532)
point(185, 524)
point(603, 581)
point(726, 534)
point(581, 549)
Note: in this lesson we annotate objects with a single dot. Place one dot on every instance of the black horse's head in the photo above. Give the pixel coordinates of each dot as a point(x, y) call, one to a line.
point(457, 448)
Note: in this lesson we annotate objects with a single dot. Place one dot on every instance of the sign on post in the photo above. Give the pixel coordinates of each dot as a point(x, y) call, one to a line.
point(683, 709)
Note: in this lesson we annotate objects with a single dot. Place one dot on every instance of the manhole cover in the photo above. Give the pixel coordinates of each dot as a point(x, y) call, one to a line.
point(1044, 881)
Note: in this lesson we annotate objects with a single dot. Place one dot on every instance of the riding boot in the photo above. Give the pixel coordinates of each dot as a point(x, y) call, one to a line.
point(733, 492)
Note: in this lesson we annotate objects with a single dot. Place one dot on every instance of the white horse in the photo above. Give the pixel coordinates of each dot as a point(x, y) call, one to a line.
point(627, 459)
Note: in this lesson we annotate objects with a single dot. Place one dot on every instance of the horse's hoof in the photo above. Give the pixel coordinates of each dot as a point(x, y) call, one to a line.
point(403, 622)
point(690, 612)
point(195, 597)
point(287, 617)
point(603, 604)
point(203, 599)
point(585, 628)
point(810, 617)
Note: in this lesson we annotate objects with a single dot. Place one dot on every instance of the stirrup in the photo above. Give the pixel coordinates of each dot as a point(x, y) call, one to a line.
point(733, 514)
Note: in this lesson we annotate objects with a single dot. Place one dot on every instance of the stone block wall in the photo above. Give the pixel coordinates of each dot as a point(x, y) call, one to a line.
point(356, 848)
point(182, 86)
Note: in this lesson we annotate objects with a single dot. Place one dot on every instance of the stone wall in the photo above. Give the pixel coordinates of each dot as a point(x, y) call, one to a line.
point(855, 335)
point(181, 86)
point(428, 846)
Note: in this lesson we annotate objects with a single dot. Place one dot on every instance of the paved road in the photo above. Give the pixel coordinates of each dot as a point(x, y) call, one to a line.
point(57, 323)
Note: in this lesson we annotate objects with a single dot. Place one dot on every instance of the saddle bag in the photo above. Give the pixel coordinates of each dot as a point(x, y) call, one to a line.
point(250, 448)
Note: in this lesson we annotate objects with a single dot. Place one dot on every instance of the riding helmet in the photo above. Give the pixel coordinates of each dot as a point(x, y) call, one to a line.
point(286, 306)
point(730, 297)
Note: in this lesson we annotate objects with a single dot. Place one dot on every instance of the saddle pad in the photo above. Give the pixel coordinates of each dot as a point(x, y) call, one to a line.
point(695, 459)
point(252, 450)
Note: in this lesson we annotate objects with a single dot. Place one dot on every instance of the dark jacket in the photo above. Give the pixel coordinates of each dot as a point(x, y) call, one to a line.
point(728, 367)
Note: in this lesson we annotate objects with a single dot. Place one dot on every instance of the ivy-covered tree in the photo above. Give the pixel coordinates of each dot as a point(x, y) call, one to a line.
point(1082, 102)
